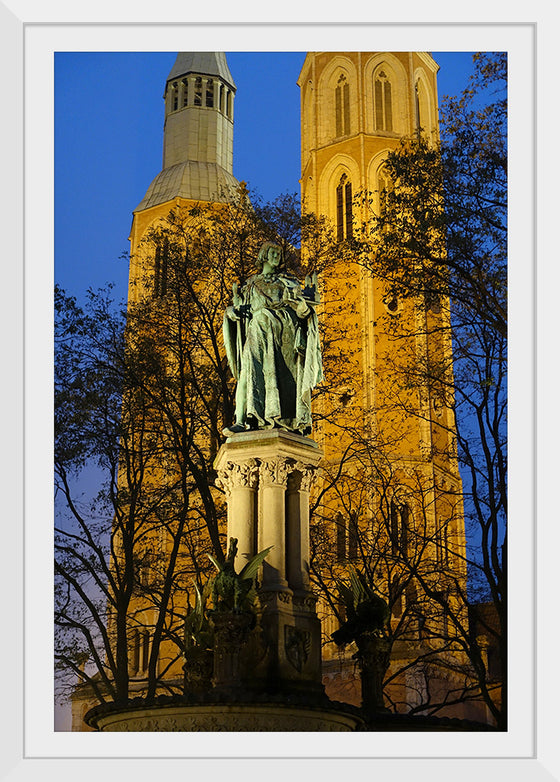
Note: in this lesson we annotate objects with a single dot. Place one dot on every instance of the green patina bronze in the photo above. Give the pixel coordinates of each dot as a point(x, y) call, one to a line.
point(367, 618)
point(233, 591)
point(367, 612)
point(209, 633)
point(271, 337)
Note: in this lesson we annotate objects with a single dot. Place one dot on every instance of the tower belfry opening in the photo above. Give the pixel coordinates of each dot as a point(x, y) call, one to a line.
point(198, 132)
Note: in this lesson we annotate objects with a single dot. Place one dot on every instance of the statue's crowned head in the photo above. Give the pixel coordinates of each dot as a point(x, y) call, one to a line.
point(265, 253)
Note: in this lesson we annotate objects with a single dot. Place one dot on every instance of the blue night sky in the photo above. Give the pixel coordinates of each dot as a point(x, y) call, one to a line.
point(109, 140)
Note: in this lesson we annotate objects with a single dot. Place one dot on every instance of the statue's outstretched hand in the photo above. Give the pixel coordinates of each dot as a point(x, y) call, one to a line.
point(239, 309)
point(237, 300)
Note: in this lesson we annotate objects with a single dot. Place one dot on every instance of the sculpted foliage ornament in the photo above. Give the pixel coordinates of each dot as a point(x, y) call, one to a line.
point(237, 475)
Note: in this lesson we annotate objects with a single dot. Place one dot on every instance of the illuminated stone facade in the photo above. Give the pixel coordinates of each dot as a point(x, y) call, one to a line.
point(355, 107)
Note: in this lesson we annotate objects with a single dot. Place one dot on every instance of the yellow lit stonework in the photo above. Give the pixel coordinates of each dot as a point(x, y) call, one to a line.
point(355, 108)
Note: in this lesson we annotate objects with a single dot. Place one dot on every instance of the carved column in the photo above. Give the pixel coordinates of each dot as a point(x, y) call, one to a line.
point(240, 480)
point(297, 527)
point(231, 635)
point(289, 650)
point(273, 480)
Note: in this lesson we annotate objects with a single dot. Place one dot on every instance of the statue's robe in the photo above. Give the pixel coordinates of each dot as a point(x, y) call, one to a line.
point(272, 345)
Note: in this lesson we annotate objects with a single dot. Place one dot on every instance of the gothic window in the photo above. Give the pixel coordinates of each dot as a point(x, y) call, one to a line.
point(394, 527)
point(175, 97)
point(411, 594)
point(228, 104)
point(160, 269)
point(145, 569)
point(185, 93)
point(443, 598)
point(385, 185)
point(352, 536)
point(383, 102)
point(145, 649)
point(423, 631)
point(421, 107)
point(395, 597)
point(344, 209)
point(340, 538)
point(198, 91)
point(210, 93)
point(442, 547)
point(405, 518)
point(221, 106)
point(342, 106)
point(446, 619)
point(135, 648)
point(399, 524)
point(346, 529)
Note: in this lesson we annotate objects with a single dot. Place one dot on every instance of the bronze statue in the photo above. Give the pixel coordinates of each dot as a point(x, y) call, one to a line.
point(271, 338)
point(233, 591)
point(367, 613)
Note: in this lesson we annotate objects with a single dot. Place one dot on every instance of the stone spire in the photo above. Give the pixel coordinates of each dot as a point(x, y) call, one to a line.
point(206, 63)
point(198, 132)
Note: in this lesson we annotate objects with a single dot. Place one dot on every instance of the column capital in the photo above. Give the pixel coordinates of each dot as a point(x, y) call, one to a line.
point(301, 477)
point(275, 472)
point(237, 475)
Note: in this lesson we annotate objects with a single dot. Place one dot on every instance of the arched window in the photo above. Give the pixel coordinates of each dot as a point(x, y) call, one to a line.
point(342, 106)
point(399, 523)
point(145, 649)
point(185, 93)
point(385, 186)
point(210, 93)
point(135, 649)
point(383, 101)
point(145, 575)
point(442, 544)
point(175, 97)
point(160, 268)
point(198, 91)
point(346, 529)
point(344, 209)
point(221, 106)
point(340, 538)
point(395, 597)
point(352, 536)
point(421, 107)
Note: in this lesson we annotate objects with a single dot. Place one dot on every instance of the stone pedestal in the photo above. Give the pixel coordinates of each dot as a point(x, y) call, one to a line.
point(373, 654)
point(267, 476)
point(231, 632)
point(227, 716)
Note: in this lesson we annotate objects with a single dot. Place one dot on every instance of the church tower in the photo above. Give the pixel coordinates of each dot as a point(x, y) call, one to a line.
point(197, 146)
point(355, 109)
point(196, 177)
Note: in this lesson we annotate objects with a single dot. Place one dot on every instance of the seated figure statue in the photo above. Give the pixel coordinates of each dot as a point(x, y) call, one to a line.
point(272, 344)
